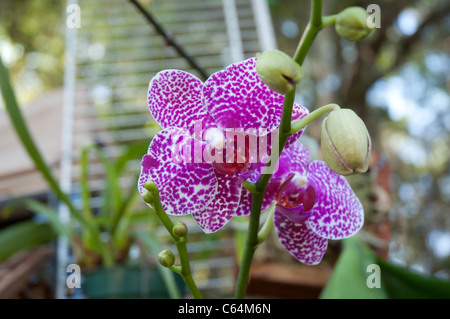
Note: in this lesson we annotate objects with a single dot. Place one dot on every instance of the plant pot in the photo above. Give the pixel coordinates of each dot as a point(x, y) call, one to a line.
point(128, 282)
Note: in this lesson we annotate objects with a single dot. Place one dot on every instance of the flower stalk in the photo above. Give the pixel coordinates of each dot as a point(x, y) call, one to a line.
point(180, 242)
point(314, 26)
point(267, 227)
point(301, 123)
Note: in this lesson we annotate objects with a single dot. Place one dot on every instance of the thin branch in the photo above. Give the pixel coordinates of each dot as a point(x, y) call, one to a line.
point(170, 40)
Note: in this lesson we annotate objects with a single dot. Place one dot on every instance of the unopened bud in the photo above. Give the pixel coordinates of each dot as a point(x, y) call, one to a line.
point(278, 70)
point(180, 229)
point(149, 185)
point(147, 197)
point(351, 23)
point(166, 258)
point(345, 142)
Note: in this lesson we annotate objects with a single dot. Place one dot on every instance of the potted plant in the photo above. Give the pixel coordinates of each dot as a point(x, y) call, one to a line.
point(100, 239)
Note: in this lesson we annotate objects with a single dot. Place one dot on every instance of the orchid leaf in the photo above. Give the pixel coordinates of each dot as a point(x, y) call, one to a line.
point(349, 278)
point(23, 236)
point(401, 283)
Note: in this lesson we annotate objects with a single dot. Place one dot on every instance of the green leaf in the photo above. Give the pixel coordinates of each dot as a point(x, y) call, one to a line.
point(27, 141)
point(112, 191)
point(23, 236)
point(349, 278)
point(120, 233)
point(133, 152)
point(84, 180)
point(401, 283)
point(51, 215)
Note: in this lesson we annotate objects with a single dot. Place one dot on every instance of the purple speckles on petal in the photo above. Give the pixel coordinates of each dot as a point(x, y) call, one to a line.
point(184, 187)
point(329, 209)
point(175, 100)
point(237, 98)
point(299, 240)
point(245, 203)
point(223, 207)
point(338, 213)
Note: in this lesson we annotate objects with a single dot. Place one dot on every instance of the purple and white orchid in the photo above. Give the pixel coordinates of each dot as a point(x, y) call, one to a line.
point(195, 117)
point(313, 204)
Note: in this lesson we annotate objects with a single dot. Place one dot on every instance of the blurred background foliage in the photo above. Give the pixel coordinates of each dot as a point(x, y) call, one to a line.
point(32, 45)
point(397, 80)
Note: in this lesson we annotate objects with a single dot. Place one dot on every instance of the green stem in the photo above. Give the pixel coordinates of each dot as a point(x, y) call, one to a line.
point(301, 123)
point(251, 187)
point(313, 28)
point(328, 20)
point(180, 242)
point(267, 227)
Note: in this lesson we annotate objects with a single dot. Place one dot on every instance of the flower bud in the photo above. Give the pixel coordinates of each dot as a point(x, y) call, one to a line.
point(147, 197)
point(345, 142)
point(180, 229)
point(166, 258)
point(278, 70)
point(351, 23)
point(150, 185)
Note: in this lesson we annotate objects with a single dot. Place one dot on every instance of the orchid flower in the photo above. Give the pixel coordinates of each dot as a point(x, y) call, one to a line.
point(195, 118)
point(313, 205)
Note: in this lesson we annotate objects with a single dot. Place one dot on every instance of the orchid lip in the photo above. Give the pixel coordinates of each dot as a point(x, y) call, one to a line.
point(296, 215)
point(296, 191)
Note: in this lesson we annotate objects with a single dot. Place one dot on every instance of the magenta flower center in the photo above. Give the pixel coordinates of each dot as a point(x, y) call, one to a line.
point(296, 191)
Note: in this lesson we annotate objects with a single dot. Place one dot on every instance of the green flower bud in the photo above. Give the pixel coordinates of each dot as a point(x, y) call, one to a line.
point(345, 142)
point(351, 23)
point(278, 70)
point(180, 229)
point(148, 198)
point(149, 185)
point(166, 258)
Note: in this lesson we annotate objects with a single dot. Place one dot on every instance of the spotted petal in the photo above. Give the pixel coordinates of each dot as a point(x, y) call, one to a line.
point(185, 187)
point(338, 213)
point(219, 212)
point(237, 98)
point(299, 240)
point(298, 112)
point(175, 100)
point(245, 204)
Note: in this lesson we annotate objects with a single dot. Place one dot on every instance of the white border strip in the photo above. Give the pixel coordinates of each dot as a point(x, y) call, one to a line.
point(66, 152)
point(264, 26)
point(233, 30)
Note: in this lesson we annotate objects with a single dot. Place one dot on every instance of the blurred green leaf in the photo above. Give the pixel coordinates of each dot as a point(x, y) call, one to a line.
point(51, 215)
point(27, 140)
point(132, 152)
point(112, 190)
point(120, 233)
point(23, 236)
point(401, 283)
point(349, 278)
